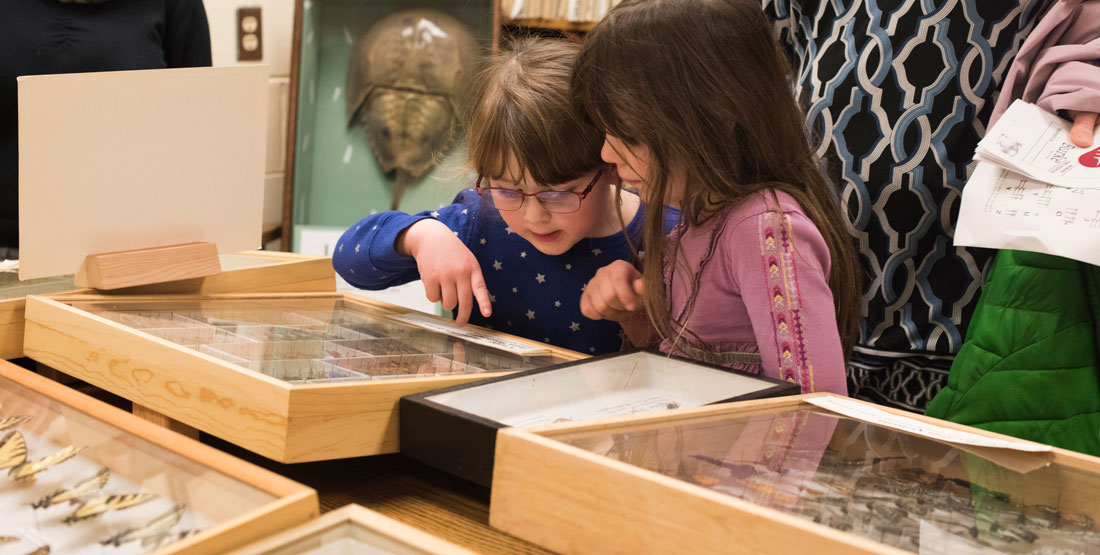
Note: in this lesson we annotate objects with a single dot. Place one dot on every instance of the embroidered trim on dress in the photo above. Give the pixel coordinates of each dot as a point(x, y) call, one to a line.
point(781, 281)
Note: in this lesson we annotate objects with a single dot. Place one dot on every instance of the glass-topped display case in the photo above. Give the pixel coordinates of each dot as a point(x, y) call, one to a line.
point(293, 377)
point(454, 429)
point(786, 475)
point(349, 530)
point(80, 476)
point(249, 271)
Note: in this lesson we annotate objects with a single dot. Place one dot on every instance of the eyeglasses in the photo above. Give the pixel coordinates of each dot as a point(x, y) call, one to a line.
point(558, 202)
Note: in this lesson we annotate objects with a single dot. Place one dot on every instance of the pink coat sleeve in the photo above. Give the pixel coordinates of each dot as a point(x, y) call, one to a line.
point(781, 263)
point(1058, 66)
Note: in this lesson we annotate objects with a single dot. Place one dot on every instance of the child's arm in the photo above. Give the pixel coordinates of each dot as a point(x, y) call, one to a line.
point(615, 293)
point(781, 265)
point(368, 257)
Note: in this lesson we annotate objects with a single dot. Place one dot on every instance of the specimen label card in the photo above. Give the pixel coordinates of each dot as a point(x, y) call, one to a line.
point(901, 423)
point(128, 160)
point(471, 335)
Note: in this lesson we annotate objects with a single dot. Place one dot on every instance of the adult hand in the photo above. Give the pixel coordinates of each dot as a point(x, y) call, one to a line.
point(1084, 127)
point(450, 272)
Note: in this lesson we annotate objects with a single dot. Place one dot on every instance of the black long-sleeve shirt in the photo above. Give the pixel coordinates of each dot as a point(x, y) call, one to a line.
point(48, 36)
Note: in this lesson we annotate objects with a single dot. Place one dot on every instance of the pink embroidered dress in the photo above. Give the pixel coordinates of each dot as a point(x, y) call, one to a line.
point(764, 300)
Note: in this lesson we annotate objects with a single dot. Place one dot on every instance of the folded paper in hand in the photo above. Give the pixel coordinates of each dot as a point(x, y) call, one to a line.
point(1033, 189)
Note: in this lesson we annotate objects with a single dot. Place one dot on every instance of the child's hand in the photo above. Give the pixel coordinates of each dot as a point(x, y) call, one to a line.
point(614, 293)
point(450, 272)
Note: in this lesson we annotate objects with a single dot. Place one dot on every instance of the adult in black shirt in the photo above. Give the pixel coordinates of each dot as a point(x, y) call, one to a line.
point(73, 36)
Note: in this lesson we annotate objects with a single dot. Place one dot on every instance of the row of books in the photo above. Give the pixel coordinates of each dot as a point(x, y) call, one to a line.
point(575, 11)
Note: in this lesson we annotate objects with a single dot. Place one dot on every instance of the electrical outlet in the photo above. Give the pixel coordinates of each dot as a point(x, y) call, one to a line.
point(250, 44)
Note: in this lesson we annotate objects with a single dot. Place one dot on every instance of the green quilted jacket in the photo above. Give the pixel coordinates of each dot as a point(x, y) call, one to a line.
point(1029, 365)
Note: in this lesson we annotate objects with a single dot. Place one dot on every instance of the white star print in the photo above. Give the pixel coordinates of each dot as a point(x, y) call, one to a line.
point(509, 230)
point(597, 252)
point(340, 248)
point(574, 326)
point(497, 265)
point(374, 228)
point(515, 290)
point(455, 232)
point(591, 349)
point(357, 248)
point(557, 303)
point(583, 287)
point(492, 298)
point(435, 213)
point(509, 322)
point(357, 228)
point(523, 254)
point(568, 266)
point(545, 339)
point(540, 278)
point(464, 210)
point(530, 314)
point(482, 240)
point(352, 270)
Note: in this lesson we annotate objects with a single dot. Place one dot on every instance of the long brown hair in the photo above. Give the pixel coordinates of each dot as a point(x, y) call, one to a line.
point(520, 109)
point(703, 84)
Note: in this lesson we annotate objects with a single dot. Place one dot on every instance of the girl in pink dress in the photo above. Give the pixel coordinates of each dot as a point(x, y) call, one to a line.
point(698, 113)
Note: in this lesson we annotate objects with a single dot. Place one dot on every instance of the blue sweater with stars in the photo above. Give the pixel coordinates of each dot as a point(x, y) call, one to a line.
point(534, 295)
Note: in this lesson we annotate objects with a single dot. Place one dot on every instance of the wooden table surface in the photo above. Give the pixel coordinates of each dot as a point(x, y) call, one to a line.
point(402, 489)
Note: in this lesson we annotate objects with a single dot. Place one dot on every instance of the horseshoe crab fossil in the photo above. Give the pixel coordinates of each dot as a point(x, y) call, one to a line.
point(404, 82)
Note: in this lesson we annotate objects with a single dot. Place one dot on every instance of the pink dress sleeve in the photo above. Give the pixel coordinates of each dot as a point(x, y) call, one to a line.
point(781, 263)
point(1058, 66)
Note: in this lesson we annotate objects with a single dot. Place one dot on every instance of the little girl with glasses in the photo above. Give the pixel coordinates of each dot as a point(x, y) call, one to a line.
point(543, 217)
point(694, 99)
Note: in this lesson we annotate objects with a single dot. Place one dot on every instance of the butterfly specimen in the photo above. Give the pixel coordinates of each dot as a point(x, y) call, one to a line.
point(13, 450)
point(158, 542)
point(151, 532)
point(74, 494)
point(95, 506)
point(30, 468)
point(13, 421)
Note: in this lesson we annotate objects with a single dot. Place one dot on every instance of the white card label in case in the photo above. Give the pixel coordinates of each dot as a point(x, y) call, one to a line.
point(470, 334)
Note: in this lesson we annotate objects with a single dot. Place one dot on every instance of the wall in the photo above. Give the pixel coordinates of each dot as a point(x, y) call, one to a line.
point(277, 18)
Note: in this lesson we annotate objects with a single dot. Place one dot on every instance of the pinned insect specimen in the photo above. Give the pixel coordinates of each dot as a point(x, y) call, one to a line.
point(151, 532)
point(74, 494)
point(28, 469)
point(95, 506)
point(13, 421)
point(13, 450)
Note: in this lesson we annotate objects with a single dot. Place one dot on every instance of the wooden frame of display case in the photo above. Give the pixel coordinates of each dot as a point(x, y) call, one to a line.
point(285, 422)
point(613, 506)
point(289, 272)
point(411, 540)
point(296, 503)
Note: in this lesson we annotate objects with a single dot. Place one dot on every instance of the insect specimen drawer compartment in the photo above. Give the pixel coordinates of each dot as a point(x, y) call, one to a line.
point(352, 529)
point(242, 272)
point(455, 429)
point(789, 475)
point(294, 377)
point(81, 476)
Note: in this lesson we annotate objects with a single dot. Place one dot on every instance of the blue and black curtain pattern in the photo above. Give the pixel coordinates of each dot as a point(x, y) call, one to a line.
point(897, 94)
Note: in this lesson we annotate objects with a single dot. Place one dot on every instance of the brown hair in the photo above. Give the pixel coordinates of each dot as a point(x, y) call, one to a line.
point(703, 84)
point(521, 109)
